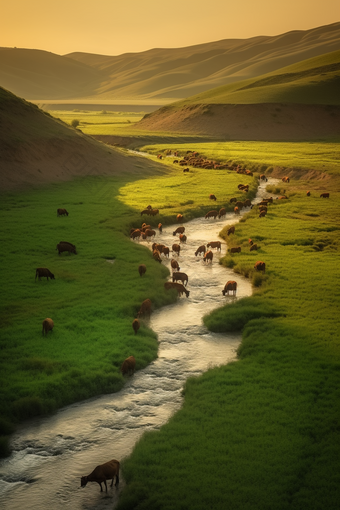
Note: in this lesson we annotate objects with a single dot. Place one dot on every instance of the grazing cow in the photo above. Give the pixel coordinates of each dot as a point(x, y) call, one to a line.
point(178, 286)
point(253, 247)
point(166, 251)
point(159, 247)
point(43, 272)
point(142, 269)
point(176, 248)
point(145, 308)
point(179, 230)
point(182, 238)
point(211, 214)
point(175, 265)
point(236, 249)
point(285, 179)
point(135, 234)
point(160, 227)
point(62, 212)
point(47, 325)
point(200, 249)
point(183, 277)
point(233, 200)
point(260, 266)
point(230, 286)
point(214, 244)
point(241, 186)
point(262, 214)
point(236, 210)
point(101, 473)
point(239, 204)
point(128, 366)
point(135, 325)
point(222, 212)
point(231, 230)
point(157, 256)
point(179, 217)
point(308, 193)
point(324, 195)
point(263, 208)
point(212, 197)
point(208, 257)
point(247, 203)
point(64, 246)
point(145, 211)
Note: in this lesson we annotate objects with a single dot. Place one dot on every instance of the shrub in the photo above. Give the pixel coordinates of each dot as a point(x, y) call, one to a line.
point(75, 123)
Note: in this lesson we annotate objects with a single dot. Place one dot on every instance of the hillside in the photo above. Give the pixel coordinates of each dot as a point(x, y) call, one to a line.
point(36, 149)
point(294, 103)
point(160, 75)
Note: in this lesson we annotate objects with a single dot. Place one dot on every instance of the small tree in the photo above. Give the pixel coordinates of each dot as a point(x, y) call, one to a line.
point(75, 123)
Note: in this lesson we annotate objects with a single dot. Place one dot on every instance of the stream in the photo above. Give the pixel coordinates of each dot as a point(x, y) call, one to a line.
point(50, 454)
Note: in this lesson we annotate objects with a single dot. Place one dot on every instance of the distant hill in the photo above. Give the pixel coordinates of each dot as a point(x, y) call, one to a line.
point(158, 76)
point(37, 149)
point(301, 101)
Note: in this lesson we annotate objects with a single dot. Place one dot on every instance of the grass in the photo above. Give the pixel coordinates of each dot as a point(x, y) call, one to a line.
point(263, 432)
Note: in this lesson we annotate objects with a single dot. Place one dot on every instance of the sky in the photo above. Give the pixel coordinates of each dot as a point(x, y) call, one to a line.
point(112, 27)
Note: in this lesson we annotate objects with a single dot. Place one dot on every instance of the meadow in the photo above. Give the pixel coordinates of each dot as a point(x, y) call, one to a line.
point(262, 432)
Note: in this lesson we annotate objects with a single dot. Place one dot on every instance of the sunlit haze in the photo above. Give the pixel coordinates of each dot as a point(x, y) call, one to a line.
point(112, 28)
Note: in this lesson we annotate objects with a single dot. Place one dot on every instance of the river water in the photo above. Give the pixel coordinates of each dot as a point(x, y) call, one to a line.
point(50, 454)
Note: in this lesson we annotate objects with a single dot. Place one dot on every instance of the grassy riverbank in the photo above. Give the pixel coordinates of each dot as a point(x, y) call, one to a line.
point(263, 432)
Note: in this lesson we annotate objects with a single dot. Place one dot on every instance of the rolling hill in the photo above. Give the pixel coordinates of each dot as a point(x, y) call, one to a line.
point(300, 101)
point(36, 149)
point(160, 75)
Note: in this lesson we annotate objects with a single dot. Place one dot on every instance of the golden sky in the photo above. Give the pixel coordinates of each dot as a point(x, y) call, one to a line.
point(113, 27)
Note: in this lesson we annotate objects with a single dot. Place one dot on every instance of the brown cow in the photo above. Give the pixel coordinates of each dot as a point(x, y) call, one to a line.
point(43, 272)
point(47, 325)
point(262, 214)
point(149, 233)
point(135, 325)
point(145, 211)
point(65, 246)
point(253, 247)
point(324, 195)
point(128, 366)
point(260, 266)
point(222, 212)
point(211, 214)
point(208, 257)
point(239, 204)
point(185, 169)
point(176, 248)
point(142, 269)
point(178, 286)
point(247, 203)
point(135, 234)
point(230, 286)
point(159, 156)
point(214, 244)
point(233, 200)
point(145, 308)
point(101, 473)
point(153, 212)
point(231, 230)
point(175, 265)
point(179, 217)
point(212, 197)
point(263, 178)
point(182, 238)
point(62, 212)
point(200, 249)
point(285, 179)
point(179, 230)
point(236, 249)
point(308, 193)
point(183, 277)
point(157, 256)
point(160, 227)
point(166, 251)
point(236, 210)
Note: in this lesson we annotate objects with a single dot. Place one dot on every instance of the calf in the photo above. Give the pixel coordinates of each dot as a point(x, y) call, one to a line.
point(43, 272)
point(142, 269)
point(62, 212)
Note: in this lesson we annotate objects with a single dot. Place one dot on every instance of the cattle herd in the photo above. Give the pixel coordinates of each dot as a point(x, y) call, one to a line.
point(179, 279)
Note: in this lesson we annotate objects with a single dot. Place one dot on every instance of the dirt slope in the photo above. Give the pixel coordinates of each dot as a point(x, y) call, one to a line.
point(36, 149)
point(248, 121)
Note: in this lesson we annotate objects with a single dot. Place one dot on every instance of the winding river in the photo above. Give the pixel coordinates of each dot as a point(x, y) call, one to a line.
point(50, 454)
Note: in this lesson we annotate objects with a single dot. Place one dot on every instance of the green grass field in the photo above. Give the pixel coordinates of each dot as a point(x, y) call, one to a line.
point(259, 433)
